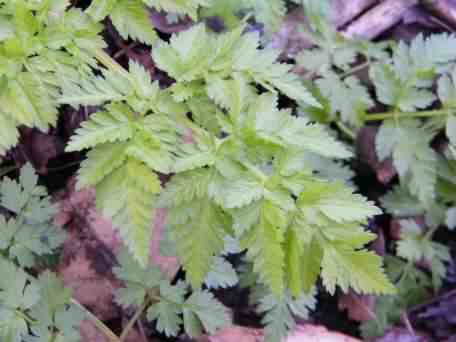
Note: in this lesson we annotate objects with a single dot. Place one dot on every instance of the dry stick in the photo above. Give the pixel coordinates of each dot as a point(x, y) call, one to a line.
point(98, 323)
point(141, 330)
point(408, 325)
point(379, 19)
point(344, 11)
point(133, 320)
point(443, 9)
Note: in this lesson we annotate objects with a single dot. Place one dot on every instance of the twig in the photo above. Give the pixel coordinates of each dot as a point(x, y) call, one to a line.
point(442, 9)
point(408, 325)
point(133, 320)
point(98, 323)
point(379, 19)
point(355, 69)
point(141, 330)
point(345, 11)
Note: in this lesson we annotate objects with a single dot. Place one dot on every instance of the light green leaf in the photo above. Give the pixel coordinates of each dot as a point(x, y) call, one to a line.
point(103, 127)
point(131, 19)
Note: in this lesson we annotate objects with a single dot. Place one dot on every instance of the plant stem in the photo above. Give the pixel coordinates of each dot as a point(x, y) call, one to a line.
point(110, 63)
point(355, 69)
point(346, 130)
point(99, 324)
point(133, 320)
point(391, 115)
point(7, 169)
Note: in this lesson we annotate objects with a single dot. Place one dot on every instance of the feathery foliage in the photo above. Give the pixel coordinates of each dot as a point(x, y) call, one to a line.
point(31, 309)
point(41, 43)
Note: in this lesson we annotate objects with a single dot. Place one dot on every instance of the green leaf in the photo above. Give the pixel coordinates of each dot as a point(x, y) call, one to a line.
point(186, 187)
point(137, 280)
point(337, 202)
point(360, 270)
point(451, 129)
point(328, 227)
point(127, 196)
point(199, 235)
point(446, 89)
point(167, 316)
point(101, 162)
point(202, 307)
point(451, 218)
point(103, 127)
point(279, 313)
point(393, 91)
point(415, 246)
point(414, 159)
point(100, 9)
point(168, 309)
point(8, 133)
point(189, 7)
point(54, 313)
point(131, 19)
point(235, 192)
point(347, 97)
point(264, 243)
point(222, 274)
point(197, 224)
point(186, 58)
point(279, 127)
point(399, 202)
point(28, 100)
point(94, 91)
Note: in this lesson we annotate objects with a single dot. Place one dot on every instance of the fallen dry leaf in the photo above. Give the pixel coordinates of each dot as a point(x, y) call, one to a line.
point(289, 38)
point(90, 333)
point(38, 148)
point(359, 307)
point(365, 147)
point(401, 335)
point(303, 333)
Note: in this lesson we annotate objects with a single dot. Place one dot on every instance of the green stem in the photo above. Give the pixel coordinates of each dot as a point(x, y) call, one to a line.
point(133, 320)
point(346, 130)
point(99, 324)
point(391, 115)
point(404, 274)
point(26, 318)
point(110, 63)
point(429, 234)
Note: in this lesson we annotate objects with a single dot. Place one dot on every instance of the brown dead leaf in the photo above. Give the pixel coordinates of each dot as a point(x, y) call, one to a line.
point(90, 333)
point(161, 23)
point(365, 146)
point(359, 307)
point(90, 288)
point(315, 333)
point(38, 148)
point(401, 335)
point(342, 12)
point(238, 334)
point(303, 333)
point(289, 39)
